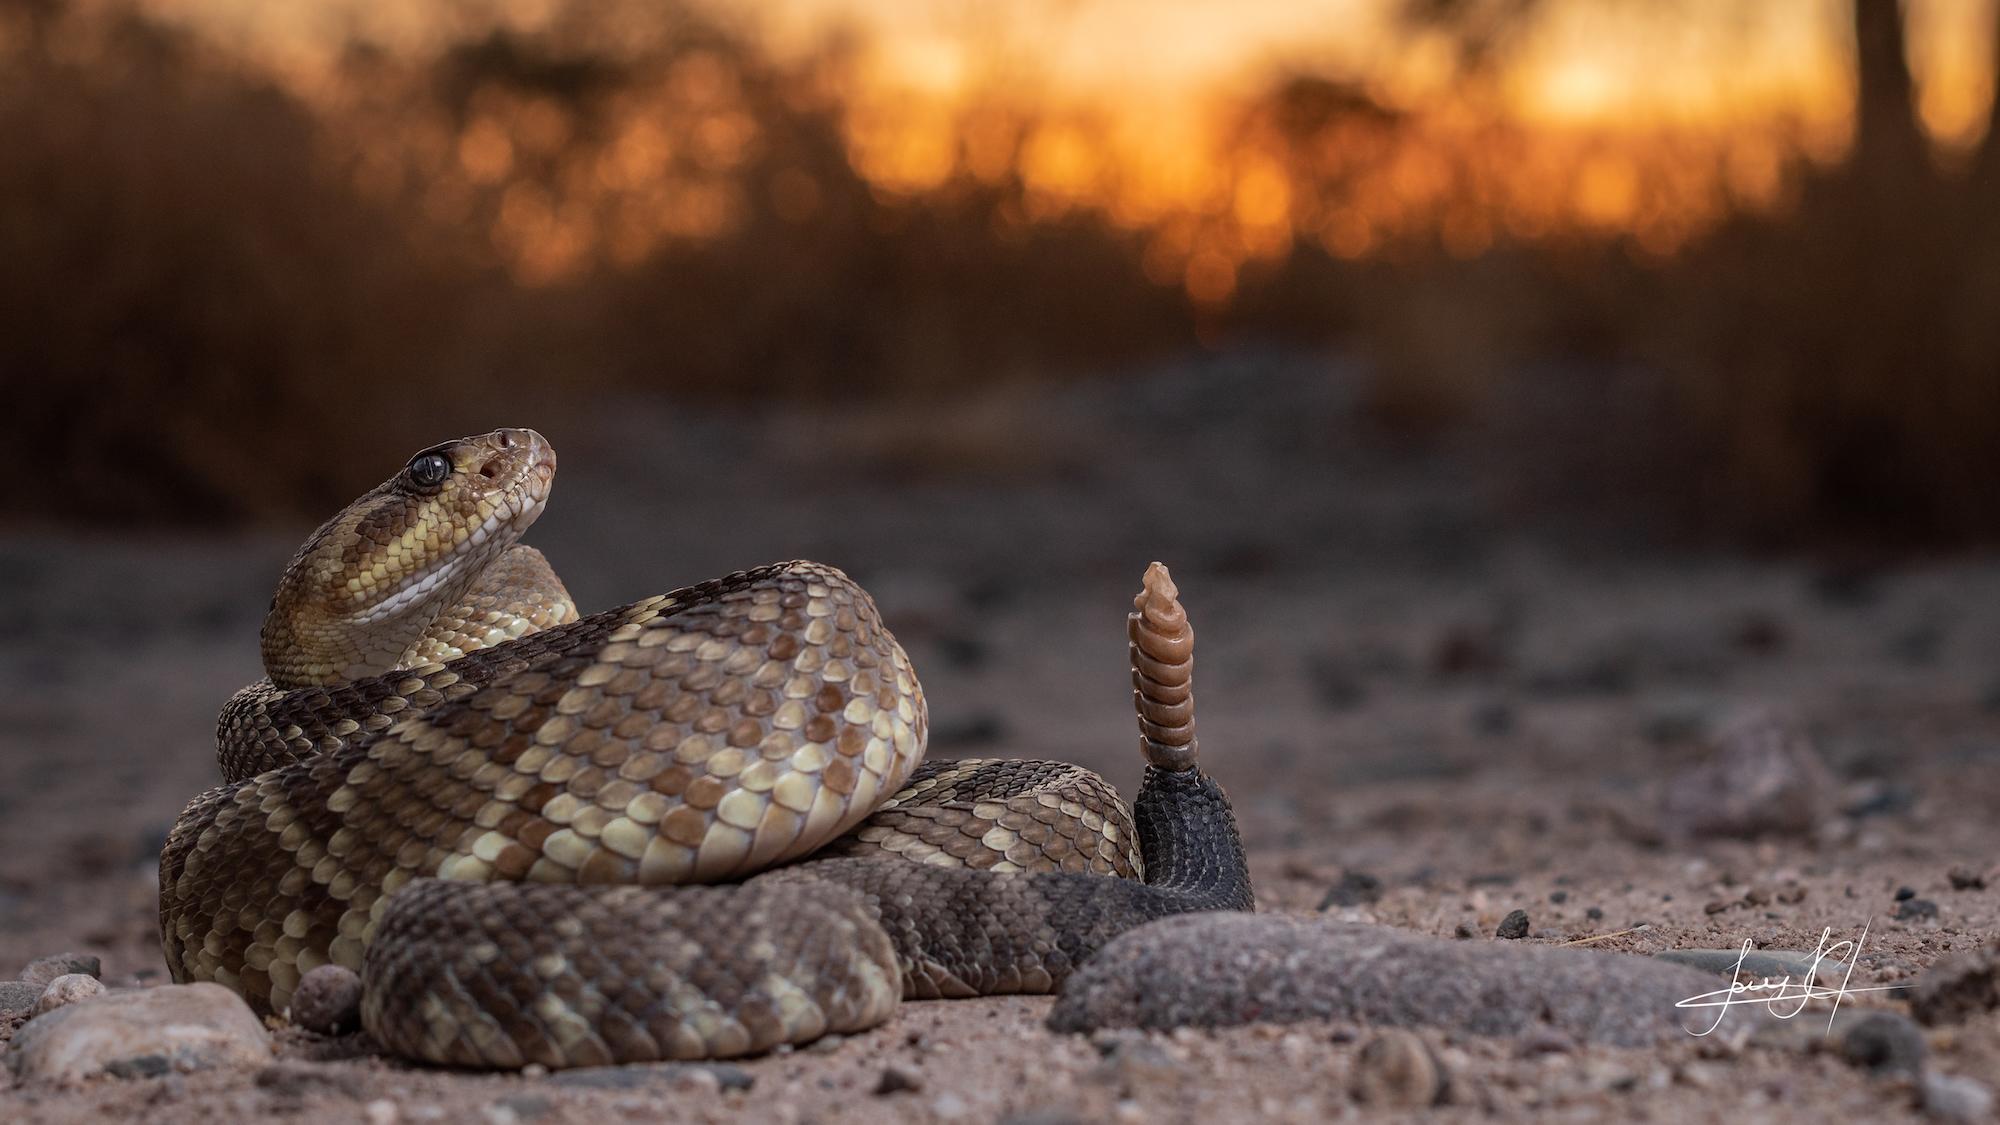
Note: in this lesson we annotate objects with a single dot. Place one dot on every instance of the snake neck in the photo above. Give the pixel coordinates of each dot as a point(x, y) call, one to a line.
point(308, 643)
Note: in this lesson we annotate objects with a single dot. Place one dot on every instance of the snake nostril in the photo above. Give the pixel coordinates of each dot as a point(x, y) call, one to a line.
point(506, 439)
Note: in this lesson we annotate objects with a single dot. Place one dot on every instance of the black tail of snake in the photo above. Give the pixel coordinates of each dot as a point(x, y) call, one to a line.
point(496, 810)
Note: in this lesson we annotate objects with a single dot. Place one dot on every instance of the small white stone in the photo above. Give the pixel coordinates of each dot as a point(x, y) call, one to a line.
point(1953, 1098)
point(67, 989)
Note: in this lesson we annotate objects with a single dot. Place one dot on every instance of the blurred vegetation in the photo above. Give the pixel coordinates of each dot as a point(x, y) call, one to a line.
point(222, 298)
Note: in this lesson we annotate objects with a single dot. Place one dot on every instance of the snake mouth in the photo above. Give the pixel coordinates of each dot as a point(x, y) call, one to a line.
point(501, 484)
point(538, 478)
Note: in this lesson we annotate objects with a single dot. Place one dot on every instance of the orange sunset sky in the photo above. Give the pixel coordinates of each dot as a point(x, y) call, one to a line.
point(1587, 60)
point(1137, 107)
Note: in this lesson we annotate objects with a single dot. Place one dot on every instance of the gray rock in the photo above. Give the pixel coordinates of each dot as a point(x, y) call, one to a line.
point(1952, 1098)
point(1758, 964)
point(1763, 778)
point(1885, 1043)
point(1356, 888)
point(1916, 909)
point(137, 1034)
point(67, 989)
point(328, 1000)
point(1514, 926)
point(1226, 969)
point(18, 998)
point(1958, 987)
point(42, 970)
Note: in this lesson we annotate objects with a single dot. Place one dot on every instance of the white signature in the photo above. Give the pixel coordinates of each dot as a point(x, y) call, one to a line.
point(1773, 993)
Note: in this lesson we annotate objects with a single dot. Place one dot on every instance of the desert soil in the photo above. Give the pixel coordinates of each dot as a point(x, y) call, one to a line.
point(1395, 681)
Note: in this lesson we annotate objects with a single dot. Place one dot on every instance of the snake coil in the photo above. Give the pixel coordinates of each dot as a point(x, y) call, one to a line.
point(488, 805)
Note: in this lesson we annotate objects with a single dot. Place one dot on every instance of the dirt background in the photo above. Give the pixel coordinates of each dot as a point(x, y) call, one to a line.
point(1395, 679)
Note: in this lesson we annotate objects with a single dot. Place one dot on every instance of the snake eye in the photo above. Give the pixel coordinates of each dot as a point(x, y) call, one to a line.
point(428, 470)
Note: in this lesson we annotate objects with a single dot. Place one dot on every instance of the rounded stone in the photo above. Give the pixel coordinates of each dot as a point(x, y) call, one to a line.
point(1885, 1043)
point(328, 1001)
point(68, 989)
point(139, 1033)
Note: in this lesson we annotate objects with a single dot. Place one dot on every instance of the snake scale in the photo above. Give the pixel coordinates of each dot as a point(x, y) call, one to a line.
point(696, 826)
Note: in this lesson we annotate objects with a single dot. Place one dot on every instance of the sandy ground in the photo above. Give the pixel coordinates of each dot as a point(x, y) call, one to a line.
point(1394, 680)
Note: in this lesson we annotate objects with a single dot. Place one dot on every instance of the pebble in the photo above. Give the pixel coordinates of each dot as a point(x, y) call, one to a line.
point(1513, 926)
point(1965, 878)
point(1916, 909)
point(1356, 888)
point(143, 1033)
point(1493, 719)
point(1229, 969)
point(698, 1080)
point(1885, 1043)
point(1879, 798)
point(1956, 1099)
point(1958, 987)
point(328, 1001)
point(67, 989)
point(896, 1080)
point(1398, 1070)
point(1763, 778)
point(43, 970)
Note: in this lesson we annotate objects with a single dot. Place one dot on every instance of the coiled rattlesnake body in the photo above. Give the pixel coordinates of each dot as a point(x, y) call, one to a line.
point(492, 807)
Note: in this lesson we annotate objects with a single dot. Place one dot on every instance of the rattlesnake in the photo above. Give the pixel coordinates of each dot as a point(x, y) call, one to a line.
point(455, 785)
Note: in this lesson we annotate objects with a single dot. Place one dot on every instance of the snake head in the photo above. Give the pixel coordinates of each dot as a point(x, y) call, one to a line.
point(364, 588)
